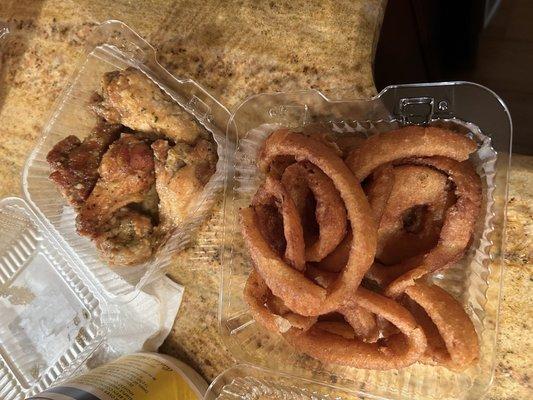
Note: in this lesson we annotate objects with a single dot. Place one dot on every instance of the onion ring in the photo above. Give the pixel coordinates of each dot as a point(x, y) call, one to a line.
point(270, 311)
point(397, 191)
point(379, 191)
point(342, 144)
point(420, 218)
point(273, 193)
point(410, 141)
point(337, 259)
point(292, 290)
point(329, 212)
point(363, 323)
point(298, 293)
point(339, 328)
point(397, 351)
point(457, 229)
point(451, 336)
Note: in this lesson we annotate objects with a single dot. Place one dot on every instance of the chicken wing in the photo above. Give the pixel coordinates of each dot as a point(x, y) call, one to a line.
point(74, 164)
point(129, 97)
point(128, 240)
point(126, 176)
point(181, 174)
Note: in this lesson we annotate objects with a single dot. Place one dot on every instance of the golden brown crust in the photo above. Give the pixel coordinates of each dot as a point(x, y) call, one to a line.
point(361, 322)
point(128, 240)
point(413, 190)
point(126, 176)
point(74, 163)
point(123, 206)
point(454, 342)
point(272, 192)
point(397, 351)
point(298, 293)
point(181, 172)
point(410, 141)
point(337, 259)
point(419, 205)
point(458, 226)
point(268, 310)
point(134, 100)
point(329, 212)
point(286, 143)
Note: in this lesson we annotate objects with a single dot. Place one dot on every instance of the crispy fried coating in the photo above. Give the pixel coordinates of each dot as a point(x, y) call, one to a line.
point(410, 141)
point(329, 212)
point(273, 193)
point(269, 310)
point(126, 176)
point(181, 172)
point(130, 98)
point(302, 148)
point(74, 163)
point(451, 336)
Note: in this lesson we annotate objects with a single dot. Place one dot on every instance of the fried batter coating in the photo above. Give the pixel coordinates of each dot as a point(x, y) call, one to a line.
point(269, 310)
point(126, 176)
point(410, 141)
point(132, 99)
point(329, 212)
point(74, 163)
point(451, 336)
point(181, 172)
point(272, 194)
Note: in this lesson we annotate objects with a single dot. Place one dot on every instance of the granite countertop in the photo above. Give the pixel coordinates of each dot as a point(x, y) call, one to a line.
point(235, 49)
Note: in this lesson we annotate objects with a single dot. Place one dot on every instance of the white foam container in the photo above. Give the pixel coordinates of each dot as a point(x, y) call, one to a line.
point(56, 296)
point(475, 281)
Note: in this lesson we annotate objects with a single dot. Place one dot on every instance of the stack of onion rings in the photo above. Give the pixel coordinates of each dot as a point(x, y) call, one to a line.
point(338, 272)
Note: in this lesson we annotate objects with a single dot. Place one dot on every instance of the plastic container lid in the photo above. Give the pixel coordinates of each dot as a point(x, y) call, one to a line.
point(50, 316)
point(246, 382)
point(4, 31)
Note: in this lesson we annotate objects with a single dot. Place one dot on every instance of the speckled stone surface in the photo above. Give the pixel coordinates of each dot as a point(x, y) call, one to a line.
point(235, 49)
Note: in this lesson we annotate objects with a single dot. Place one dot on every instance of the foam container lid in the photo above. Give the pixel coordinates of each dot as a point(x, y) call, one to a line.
point(56, 296)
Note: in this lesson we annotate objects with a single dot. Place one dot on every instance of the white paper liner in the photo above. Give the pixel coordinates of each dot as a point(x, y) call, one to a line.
point(467, 281)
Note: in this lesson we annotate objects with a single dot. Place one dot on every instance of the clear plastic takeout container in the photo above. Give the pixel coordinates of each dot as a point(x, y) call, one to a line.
point(51, 315)
point(57, 299)
point(115, 47)
point(4, 31)
point(251, 383)
point(475, 282)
